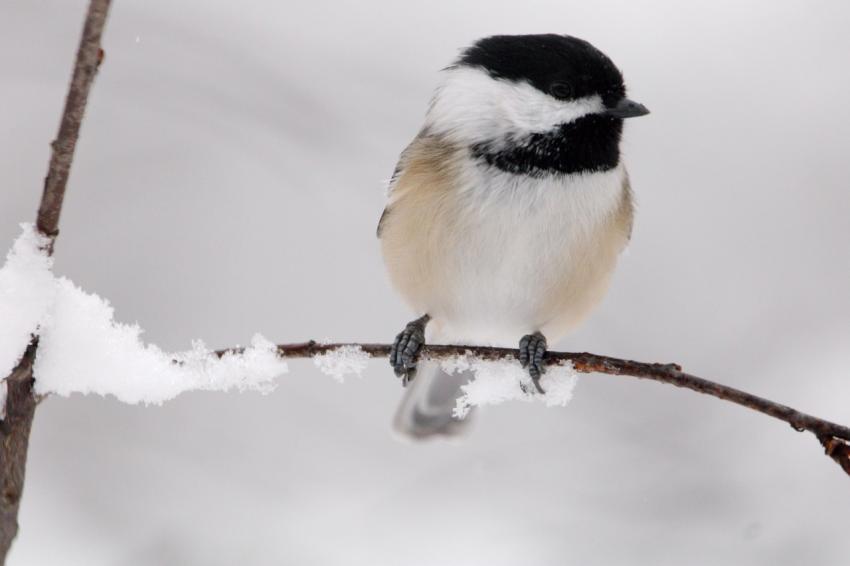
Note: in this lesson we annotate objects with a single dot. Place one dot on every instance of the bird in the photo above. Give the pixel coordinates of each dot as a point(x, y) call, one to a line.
point(506, 214)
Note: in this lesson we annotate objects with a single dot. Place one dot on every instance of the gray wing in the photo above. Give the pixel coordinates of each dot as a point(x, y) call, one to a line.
point(381, 221)
point(399, 167)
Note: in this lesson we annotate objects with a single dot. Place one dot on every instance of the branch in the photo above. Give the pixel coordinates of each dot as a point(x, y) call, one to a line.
point(834, 437)
point(89, 56)
point(20, 402)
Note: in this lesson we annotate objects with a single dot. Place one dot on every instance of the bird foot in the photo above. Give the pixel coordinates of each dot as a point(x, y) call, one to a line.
point(532, 349)
point(404, 353)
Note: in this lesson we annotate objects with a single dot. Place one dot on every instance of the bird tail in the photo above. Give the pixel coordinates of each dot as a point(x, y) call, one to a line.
point(426, 409)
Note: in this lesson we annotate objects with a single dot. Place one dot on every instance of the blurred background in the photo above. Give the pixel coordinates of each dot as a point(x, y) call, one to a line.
point(229, 178)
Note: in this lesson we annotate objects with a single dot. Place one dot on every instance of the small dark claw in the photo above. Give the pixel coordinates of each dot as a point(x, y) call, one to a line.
point(404, 352)
point(532, 350)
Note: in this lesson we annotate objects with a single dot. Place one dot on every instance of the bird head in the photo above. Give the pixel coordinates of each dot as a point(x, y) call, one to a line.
point(511, 90)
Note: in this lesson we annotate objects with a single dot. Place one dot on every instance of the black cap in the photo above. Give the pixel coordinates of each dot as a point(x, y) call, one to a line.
point(559, 65)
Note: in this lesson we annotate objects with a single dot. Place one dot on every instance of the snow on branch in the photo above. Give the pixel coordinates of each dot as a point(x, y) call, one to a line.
point(489, 380)
point(26, 292)
point(82, 349)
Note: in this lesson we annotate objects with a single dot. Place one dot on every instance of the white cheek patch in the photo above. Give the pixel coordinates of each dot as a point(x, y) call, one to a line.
point(470, 106)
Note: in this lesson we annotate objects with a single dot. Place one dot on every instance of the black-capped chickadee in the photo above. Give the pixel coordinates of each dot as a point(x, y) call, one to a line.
point(507, 212)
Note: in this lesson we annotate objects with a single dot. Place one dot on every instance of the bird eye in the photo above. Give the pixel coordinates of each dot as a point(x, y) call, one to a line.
point(561, 90)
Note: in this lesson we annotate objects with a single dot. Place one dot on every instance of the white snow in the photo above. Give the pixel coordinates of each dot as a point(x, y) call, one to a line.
point(26, 292)
point(497, 381)
point(82, 349)
point(341, 361)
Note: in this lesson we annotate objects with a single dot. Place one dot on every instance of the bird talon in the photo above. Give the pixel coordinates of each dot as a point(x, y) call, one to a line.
point(532, 350)
point(404, 353)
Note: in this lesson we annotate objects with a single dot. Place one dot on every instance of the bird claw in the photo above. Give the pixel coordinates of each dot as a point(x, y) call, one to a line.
point(404, 353)
point(532, 349)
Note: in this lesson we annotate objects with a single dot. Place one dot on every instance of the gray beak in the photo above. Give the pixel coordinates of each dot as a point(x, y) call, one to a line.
point(627, 109)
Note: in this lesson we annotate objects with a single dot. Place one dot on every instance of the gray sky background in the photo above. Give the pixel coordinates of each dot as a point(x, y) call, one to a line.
point(228, 180)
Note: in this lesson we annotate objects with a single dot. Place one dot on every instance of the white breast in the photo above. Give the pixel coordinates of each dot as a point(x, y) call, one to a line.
point(517, 244)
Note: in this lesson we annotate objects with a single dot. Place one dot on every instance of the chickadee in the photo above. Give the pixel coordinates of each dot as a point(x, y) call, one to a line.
point(507, 212)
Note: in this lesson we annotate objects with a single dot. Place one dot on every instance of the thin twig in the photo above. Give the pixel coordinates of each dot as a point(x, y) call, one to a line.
point(834, 437)
point(20, 402)
point(89, 57)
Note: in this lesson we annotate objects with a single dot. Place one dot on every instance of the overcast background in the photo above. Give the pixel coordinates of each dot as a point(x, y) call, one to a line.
point(229, 179)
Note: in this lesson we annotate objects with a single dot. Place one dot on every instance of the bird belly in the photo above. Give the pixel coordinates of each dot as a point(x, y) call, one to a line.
point(504, 255)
